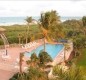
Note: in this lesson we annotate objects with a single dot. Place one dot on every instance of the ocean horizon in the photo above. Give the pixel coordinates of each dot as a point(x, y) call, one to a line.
point(22, 21)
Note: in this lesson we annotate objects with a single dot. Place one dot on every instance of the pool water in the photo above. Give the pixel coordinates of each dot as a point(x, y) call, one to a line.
point(51, 49)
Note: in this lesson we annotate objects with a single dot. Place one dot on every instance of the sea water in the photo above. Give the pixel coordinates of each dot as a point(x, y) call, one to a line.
point(21, 20)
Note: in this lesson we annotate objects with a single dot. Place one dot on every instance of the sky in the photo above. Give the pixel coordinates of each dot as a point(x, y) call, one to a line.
point(34, 8)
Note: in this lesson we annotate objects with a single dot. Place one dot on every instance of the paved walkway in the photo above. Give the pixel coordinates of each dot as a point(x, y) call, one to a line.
point(5, 75)
point(60, 57)
point(10, 66)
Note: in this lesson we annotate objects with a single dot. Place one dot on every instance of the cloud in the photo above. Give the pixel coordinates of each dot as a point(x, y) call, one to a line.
point(2, 8)
point(34, 8)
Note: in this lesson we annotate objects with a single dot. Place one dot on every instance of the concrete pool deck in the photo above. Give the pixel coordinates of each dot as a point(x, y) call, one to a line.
point(60, 57)
point(8, 67)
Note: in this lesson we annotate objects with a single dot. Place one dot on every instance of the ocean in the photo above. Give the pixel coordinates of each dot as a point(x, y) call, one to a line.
point(21, 20)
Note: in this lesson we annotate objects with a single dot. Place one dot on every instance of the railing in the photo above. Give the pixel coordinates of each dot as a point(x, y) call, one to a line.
point(4, 39)
point(17, 45)
point(10, 45)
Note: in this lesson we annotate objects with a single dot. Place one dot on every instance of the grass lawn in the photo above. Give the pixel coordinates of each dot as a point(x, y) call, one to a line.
point(13, 31)
point(81, 60)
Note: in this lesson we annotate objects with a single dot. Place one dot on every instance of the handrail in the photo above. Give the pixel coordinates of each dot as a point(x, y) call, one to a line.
point(4, 39)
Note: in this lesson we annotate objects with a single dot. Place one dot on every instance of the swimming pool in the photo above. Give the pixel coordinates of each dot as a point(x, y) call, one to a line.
point(51, 49)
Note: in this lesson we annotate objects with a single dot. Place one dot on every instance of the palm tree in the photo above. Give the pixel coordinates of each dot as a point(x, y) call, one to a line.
point(36, 74)
point(74, 73)
point(44, 58)
point(49, 25)
point(29, 20)
point(44, 28)
point(34, 60)
point(32, 37)
point(26, 37)
point(20, 62)
point(19, 38)
point(44, 33)
point(18, 76)
point(84, 20)
point(66, 48)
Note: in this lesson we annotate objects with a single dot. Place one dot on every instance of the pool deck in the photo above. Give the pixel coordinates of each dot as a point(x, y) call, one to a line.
point(60, 57)
point(10, 66)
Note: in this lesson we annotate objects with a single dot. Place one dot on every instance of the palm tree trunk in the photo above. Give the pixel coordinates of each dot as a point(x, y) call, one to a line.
point(26, 38)
point(44, 44)
point(19, 41)
point(64, 51)
point(64, 54)
point(20, 63)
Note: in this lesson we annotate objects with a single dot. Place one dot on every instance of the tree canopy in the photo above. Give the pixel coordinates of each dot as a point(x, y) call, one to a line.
point(29, 19)
point(51, 22)
point(84, 20)
point(49, 19)
point(44, 57)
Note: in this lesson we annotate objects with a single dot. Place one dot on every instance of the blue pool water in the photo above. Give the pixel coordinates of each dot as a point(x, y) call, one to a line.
point(51, 49)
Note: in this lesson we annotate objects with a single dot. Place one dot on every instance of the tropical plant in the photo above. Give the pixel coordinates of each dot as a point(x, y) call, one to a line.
point(44, 57)
point(29, 20)
point(73, 73)
point(36, 74)
point(84, 20)
point(19, 38)
point(49, 19)
point(33, 62)
point(66, 48)
point(49, 25)
point(20, 62)
point(19, 76)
